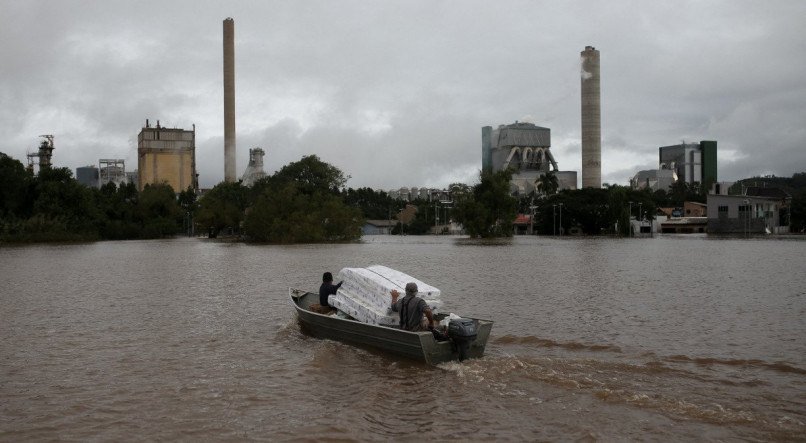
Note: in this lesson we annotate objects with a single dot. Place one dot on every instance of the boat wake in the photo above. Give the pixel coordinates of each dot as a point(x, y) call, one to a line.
point(664, 385)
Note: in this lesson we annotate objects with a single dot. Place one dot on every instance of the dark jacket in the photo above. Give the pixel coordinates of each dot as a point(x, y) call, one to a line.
point(411, 310)
point(327, 288)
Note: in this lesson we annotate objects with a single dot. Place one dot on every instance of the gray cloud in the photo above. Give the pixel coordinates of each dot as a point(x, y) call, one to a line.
point(395, 93)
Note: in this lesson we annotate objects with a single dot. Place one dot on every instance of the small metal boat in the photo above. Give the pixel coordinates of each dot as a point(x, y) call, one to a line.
point(420, 346)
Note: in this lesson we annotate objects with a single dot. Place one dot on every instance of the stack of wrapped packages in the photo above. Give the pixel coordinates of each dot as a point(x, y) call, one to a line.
point(365, 294)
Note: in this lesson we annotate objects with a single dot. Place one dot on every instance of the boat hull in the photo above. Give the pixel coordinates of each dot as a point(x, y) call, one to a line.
point(419, 346)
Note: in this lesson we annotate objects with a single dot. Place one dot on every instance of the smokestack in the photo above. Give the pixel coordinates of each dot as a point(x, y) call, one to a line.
point(591, 120)
point(229, 100)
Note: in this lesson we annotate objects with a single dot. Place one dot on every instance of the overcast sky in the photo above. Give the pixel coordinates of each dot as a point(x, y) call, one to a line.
point(394, 93)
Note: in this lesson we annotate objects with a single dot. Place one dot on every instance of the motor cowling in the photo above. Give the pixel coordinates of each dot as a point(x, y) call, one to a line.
point(462, 331)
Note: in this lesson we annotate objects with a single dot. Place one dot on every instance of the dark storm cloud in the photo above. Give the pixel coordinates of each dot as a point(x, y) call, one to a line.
point(395, 93)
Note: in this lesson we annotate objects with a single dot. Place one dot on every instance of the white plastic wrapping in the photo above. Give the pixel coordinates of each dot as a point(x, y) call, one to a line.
point(365, 294)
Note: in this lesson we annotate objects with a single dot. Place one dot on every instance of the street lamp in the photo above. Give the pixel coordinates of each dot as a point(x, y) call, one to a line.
point(747, 217)
point(532, 220)
point(446, 205)
point(561, 218)
point(640, 216)
point(629, 220)
point(436, 215)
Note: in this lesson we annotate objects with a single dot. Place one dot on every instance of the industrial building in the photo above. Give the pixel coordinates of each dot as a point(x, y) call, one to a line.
point(757, 211)
point(43, 155)
point(87, 176)
point(692, 162)
point(166, 155)
point(654, 179)
point(254, 170)
point(524, 149)
point(111, 171)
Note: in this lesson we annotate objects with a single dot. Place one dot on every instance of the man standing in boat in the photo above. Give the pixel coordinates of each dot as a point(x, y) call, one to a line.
point(412, 309)
point(327, 288)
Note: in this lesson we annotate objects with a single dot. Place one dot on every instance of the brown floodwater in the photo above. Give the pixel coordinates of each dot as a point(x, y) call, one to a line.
point(672, 338)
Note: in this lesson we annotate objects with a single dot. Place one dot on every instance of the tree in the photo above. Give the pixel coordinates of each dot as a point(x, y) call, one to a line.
point(797, 212)
point(301, 204)
point(15, 184)
point(222, 207)
point(490, 209)
point(375, 205)
point(119, 204)
point(159, 211)
point(288, 215)
point(547, 184)
point(64, 209)
point(311, 175)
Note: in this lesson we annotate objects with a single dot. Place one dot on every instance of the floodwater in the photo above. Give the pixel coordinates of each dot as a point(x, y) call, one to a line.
point(674, 338)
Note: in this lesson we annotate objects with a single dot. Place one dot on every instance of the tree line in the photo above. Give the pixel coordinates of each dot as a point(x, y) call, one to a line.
point(306, 202)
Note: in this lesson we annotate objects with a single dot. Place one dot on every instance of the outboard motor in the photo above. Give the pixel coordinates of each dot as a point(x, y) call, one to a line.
point(462, 331)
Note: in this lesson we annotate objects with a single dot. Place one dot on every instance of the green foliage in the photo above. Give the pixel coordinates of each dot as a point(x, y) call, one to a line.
point(489, 210)
point(288, 215)
point(52, 206)
point(374, 205)
point(594, 211)
point(222, 207)
point(547, 184)
point(15, 184)
point(791, 185)
point(64, 202)
point(421, 225)
point(798, 211)
point(311, 175)
point(301, 204)
point(159, 211)
point(681, 192)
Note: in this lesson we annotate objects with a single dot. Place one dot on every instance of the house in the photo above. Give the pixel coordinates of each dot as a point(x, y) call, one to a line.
point(378, 227)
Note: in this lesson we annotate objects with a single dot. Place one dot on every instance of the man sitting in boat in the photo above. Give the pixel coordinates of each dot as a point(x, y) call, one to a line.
point(411, 310)
point(327, 288)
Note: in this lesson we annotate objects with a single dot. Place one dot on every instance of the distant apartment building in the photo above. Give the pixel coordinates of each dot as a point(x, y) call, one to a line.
point(167, 155)
point(691, 162)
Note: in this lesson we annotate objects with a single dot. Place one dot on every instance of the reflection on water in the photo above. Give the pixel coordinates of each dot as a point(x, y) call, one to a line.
point(683, 338)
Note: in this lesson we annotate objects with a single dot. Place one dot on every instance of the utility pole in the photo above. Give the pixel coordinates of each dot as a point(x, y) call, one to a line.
point(629, 220)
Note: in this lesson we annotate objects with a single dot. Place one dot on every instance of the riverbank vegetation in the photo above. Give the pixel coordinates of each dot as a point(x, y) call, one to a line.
point(300, 203)
point(307, 202)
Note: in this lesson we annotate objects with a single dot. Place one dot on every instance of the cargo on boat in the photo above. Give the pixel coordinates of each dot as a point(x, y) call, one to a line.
point(422, 346)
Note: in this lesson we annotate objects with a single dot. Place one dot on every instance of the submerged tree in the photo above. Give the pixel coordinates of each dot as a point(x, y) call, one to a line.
point(489, 209)
point(301, 204)
point(222, 208)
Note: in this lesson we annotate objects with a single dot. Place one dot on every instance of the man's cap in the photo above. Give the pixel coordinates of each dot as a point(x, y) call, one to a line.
point(327, 277)
point(411, 288)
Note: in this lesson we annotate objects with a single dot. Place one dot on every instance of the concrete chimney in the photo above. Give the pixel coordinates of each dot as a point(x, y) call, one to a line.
point(229, 100)
point(591, 120)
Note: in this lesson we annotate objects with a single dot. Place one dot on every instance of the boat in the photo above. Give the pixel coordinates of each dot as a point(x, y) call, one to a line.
point(420, 346)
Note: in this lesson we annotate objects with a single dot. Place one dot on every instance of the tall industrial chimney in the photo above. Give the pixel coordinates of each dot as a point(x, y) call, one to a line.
point(229, 100)
point(591, 120)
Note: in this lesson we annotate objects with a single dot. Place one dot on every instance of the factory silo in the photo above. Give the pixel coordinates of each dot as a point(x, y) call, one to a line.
point(591, 120)
point(229, 101)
